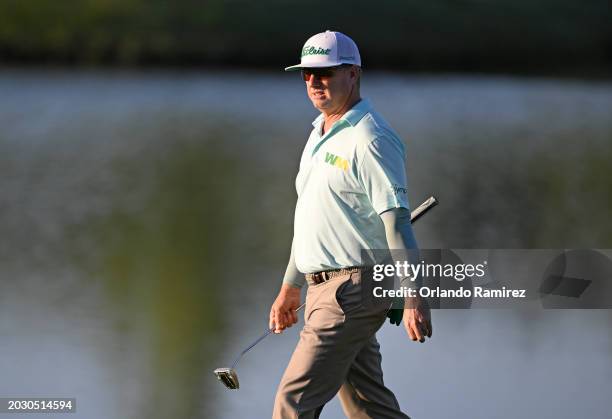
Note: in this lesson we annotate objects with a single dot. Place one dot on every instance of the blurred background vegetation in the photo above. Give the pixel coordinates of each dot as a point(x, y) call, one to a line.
point(546, 36)
point(146, 199)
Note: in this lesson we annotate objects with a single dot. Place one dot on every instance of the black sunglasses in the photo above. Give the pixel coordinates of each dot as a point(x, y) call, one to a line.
point(322, 73)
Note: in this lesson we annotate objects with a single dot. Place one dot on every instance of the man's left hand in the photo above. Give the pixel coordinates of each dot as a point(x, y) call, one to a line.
point(395, 315)
point(417, 319)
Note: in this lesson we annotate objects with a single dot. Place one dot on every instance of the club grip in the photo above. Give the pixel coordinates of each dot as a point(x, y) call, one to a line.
point(423, 208)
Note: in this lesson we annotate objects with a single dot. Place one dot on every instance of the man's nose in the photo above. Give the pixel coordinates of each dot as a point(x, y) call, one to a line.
point(313, 78)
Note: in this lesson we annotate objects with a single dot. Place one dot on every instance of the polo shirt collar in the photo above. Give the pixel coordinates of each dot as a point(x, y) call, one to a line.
point(354, 115)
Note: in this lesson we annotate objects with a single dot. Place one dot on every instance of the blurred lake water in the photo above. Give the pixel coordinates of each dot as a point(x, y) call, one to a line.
point(145, 219)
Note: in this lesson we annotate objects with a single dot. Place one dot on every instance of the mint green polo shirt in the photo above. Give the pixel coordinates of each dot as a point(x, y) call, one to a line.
point(347, 177)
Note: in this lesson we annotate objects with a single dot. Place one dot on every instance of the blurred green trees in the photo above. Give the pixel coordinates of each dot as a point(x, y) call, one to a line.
point(467, 35)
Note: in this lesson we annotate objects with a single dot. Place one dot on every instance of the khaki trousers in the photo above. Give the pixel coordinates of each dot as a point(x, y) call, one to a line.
point(338, 354)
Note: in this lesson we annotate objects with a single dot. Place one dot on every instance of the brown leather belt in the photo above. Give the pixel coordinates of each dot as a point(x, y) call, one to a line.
point(320, 277)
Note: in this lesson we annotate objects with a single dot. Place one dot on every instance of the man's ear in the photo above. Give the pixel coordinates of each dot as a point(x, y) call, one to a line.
point(356, 74)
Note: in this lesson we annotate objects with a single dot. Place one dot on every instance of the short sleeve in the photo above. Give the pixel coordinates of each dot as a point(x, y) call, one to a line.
point(382, 174)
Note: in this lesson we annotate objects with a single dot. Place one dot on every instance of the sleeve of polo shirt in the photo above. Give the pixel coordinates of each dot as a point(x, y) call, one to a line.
point(382, 173)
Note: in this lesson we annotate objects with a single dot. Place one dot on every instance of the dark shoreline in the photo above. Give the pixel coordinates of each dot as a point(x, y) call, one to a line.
point(579, 74)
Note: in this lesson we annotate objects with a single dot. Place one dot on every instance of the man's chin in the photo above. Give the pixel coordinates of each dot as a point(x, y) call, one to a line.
point(320, 103)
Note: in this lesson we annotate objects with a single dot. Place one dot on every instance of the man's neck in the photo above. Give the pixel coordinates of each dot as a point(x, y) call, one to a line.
point(330, 118)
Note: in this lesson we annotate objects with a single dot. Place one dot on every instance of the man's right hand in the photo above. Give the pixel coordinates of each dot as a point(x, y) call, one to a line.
point(282, 313)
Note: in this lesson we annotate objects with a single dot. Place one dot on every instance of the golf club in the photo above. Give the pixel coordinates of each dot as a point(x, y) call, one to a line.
point(229, 377)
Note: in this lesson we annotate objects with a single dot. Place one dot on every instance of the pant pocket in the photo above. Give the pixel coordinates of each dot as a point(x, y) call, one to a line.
point(348, 295)
point(321, 306)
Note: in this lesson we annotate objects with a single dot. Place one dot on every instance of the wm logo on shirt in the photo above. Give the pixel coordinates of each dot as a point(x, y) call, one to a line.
point(334, 160)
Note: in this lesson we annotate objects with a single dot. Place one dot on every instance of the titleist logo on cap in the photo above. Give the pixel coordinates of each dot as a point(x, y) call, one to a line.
point(308, 50)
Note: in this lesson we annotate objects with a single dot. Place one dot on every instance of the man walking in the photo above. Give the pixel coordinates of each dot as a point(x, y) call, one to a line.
point(352, 196)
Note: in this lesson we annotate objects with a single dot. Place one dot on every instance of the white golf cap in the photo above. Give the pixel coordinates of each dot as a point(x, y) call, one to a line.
point(328, 49)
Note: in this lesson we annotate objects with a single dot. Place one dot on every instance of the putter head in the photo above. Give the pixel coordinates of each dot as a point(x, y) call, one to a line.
point(228, 377)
